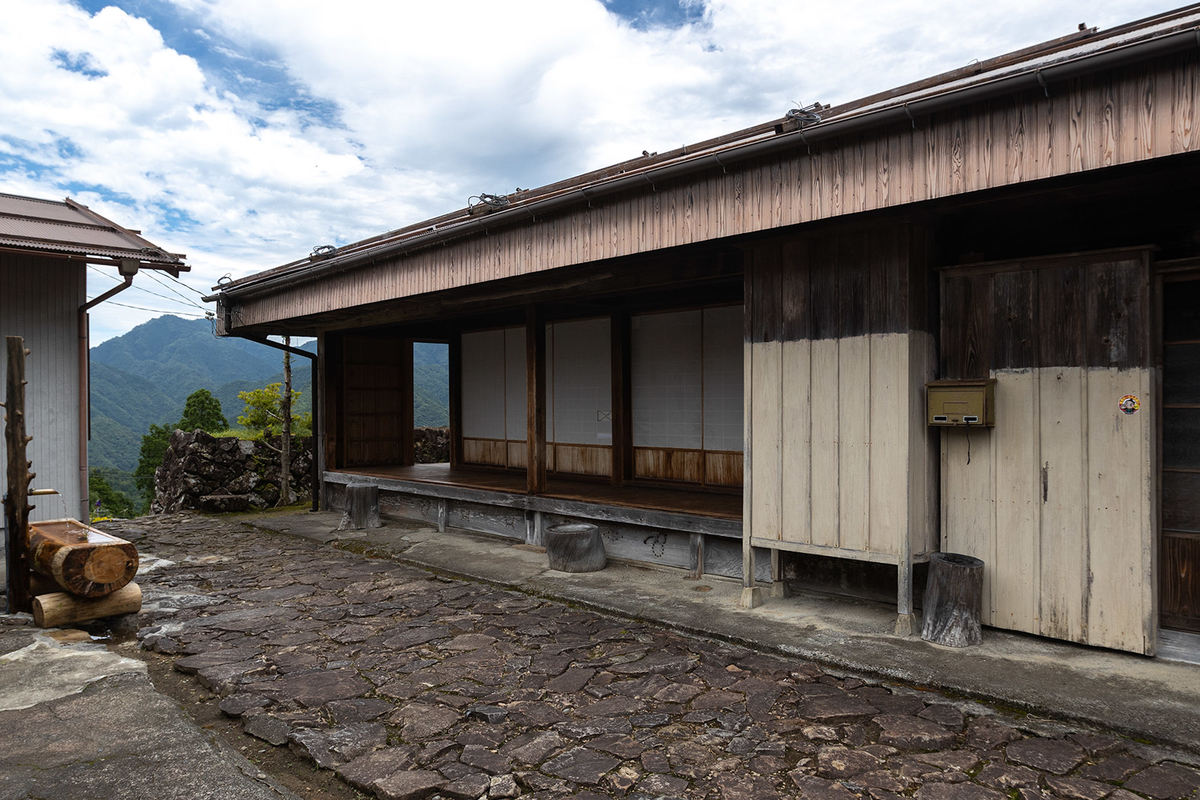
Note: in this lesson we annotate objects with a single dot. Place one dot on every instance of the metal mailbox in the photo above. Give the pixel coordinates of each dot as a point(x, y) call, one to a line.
point(961, 403)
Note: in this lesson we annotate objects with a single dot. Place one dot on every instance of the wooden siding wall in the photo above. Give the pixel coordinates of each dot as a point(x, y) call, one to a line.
point(840, 461)
point(1057, 499)
point(1142, 112)
point(374, 399)
point(40, 300)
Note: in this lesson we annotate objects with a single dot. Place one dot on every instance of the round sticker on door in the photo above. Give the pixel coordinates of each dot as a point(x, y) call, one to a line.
point(1129, 404)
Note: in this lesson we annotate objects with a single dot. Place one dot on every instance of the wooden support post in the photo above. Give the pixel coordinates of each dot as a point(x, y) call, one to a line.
point(696, 555)
point(904, 598)
point(455, 376)
point(331, 369)
point(16, 506)
point(622, 398)
point(779, 589)
point(751, 594)
point(535, 405)
point(407, 445)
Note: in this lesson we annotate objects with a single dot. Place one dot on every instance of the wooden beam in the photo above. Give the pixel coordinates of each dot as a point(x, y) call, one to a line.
point(622, 403)
point(456, 435)
point(535, 403)
point(407, 454)
point(329, 370)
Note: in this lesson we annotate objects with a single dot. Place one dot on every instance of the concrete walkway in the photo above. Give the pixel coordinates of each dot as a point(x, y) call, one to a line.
point(1145, 698)
point(77, 721)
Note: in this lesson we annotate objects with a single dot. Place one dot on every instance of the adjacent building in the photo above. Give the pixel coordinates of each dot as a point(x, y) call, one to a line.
point(45, 249)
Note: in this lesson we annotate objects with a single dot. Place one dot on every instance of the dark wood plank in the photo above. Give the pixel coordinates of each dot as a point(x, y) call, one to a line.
point(1179, 595)
point(454, 357)
point(535, 399)
point(332, 371)
point(407, 446)
point(1116, 305)
point(853, 273)
point(622, 405)
point(795, 269)
point(826, 321)
point(766, 303)
point(966, 326)
point(1060, 316)
point(1014, 337)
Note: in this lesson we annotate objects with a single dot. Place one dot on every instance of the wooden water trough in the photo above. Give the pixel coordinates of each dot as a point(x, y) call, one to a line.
point(85, 573)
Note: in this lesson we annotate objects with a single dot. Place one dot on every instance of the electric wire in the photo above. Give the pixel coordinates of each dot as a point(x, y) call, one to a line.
point(156, 310)
point(174, 291)
point(185, 301)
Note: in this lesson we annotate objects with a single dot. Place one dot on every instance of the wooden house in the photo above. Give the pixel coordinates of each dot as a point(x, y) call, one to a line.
point(720, 354)
point(45, 249)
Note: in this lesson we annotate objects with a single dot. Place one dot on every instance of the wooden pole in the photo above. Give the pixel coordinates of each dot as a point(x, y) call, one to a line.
point(285, 438)
point(16, 504)
point(535, 387)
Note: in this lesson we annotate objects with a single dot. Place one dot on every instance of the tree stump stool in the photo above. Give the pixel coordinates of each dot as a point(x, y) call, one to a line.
point(362, 507)
point(575, 547)
point(953, 599)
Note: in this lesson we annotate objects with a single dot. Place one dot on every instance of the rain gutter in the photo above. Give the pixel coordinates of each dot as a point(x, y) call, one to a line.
point(128, 268)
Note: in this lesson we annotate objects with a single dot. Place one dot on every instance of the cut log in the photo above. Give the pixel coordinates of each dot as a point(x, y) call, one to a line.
point(80, 559)
point(575, 547)
point(59, 609)
point(362, 507)
point(953, 600)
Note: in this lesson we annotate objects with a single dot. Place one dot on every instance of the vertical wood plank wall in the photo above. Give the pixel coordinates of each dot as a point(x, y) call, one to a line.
point(39, 301)
point(1058, 499)
point(839, 459)
point(1144, 111)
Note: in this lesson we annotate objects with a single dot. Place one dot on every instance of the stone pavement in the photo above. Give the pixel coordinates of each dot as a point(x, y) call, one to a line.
point(413, 685)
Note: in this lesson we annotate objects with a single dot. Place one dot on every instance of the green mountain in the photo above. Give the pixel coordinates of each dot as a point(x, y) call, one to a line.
point(146, 375)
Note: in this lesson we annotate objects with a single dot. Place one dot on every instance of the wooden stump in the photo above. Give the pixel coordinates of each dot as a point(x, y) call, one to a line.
point(575, 547)
point(362, 507)
point(953, 599)
point(59, 609)
point(81, 559)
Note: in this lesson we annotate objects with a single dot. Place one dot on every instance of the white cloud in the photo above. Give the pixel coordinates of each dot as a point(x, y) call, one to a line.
point(418, 106)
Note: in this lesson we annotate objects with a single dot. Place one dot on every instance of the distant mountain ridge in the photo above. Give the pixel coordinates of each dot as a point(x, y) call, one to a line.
point(145, 375)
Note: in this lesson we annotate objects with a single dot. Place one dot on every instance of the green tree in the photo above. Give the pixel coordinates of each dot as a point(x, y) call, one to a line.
point(154, 448)
point(105, 501)
point(202, 412)
point(263, 412)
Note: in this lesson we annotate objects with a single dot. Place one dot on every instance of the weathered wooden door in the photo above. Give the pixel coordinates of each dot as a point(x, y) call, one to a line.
point(1179, 550)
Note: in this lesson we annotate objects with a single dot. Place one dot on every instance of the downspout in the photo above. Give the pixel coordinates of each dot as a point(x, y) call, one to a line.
point(128, 268)
point(316, 443)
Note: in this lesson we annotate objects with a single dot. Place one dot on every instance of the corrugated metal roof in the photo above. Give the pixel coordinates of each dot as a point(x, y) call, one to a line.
point(28, 223)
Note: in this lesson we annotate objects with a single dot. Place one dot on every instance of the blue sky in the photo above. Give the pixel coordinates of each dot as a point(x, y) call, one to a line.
point(246, 133)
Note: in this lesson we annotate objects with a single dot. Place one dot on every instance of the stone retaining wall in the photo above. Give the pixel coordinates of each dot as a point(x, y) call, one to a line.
point(201, 471)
